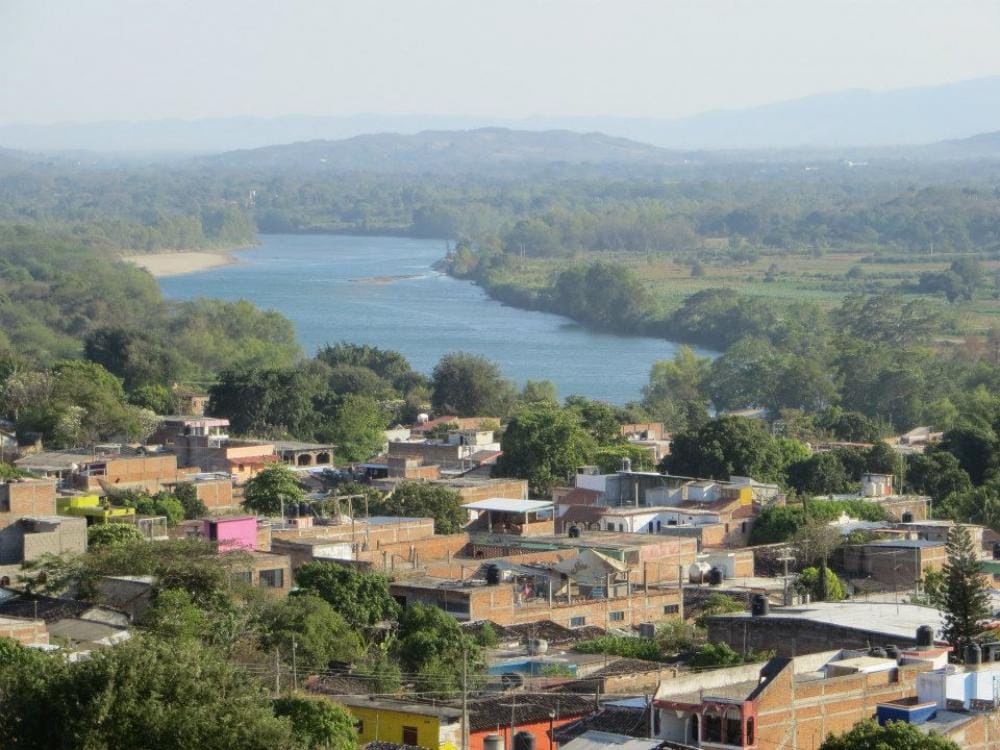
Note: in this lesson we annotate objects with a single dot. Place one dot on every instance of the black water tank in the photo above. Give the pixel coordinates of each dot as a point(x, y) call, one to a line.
point(878, 652)
point(715, 577)
point(524, 741)
point(892, 652)
point(996, 550)
point(492, 574)
point(759, 605)
point(574, 532)
point(907, 517)
point(973, 654)
point(925, 636)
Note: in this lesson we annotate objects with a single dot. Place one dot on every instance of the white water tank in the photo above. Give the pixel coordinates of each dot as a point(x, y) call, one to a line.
point(698, 572)
point(423, 419)
point(537, 646)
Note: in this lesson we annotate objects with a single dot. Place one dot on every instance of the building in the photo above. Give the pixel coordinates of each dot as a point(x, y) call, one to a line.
point(231, 532)
point(899, 564)
point(264, 570)
point(538, 714)
point(504, 516)
point(822, 626)
point(30, 526)
point(404, 722)
point(784, 703)
point(527, 593)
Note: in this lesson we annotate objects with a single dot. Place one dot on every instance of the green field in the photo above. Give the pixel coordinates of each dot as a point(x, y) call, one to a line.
point(823, 279)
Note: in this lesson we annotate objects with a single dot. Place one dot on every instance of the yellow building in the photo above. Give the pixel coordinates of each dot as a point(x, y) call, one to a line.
point(402, 722)
point(94, 509)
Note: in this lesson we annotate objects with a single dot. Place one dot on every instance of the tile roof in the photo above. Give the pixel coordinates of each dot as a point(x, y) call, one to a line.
point(631, 722)
point(526, 708)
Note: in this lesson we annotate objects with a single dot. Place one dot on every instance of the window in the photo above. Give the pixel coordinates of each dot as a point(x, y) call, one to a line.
point(733, 727)
point(656, 723)
point(577, 622)
point(671, 609)
point(713, 726)
point(272, 579)
point(616, 616)
point(243, 576)
point(750, 737)
point(743, 527)
point(409, 735)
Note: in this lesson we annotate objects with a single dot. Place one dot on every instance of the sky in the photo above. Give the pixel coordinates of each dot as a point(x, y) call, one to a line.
point(99, 60)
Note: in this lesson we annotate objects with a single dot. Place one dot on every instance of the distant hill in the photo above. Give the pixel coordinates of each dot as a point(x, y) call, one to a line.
point(440, 150)
point(903, 117)
point(982, 146)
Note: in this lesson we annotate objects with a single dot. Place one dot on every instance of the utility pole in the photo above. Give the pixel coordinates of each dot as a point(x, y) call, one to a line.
point(785, 558)
point(277, 674)
point(465, 698)
point(295, 669)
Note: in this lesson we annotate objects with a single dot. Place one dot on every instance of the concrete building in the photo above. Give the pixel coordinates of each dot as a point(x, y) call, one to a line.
point(784, 703)
point(822, 626)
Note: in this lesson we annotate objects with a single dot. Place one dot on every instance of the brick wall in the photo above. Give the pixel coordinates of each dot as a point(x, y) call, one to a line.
point(33, 497)
point(800, 714)
point(24, 631)
point(217, 494)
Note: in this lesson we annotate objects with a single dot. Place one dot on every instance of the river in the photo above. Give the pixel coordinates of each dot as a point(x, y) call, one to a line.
point(384, 291)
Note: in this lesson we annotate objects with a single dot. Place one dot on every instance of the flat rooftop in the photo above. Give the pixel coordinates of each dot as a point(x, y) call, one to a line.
point(507, 505)
point(405, 707)
point(884, 618)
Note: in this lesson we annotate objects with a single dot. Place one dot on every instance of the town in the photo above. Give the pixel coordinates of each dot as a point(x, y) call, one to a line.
point(625, 608)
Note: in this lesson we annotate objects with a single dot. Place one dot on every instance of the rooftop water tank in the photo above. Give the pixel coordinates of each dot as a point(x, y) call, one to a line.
point(524, 741)
point(715, 577)
point(925, 636)
point(759, 605)
point(493, 742)
point(698, 572)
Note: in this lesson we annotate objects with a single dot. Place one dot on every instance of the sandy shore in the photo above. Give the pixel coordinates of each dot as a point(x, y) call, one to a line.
point(174, 264)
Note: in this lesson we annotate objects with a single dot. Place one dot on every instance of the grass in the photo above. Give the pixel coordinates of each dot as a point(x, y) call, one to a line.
point(793, 277)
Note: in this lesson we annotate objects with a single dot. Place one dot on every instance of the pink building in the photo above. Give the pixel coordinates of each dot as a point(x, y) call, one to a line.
point(231, 532)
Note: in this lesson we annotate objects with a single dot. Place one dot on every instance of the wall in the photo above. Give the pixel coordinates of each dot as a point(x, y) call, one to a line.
point(24, 631)
point(216, 494)
point(792, 636)
point(33, 497)
point(540, 731)
point(800, 714)
point(383, 725)
point(232, 533)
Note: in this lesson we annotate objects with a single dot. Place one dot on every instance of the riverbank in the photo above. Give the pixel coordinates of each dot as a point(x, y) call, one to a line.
point(161, 265)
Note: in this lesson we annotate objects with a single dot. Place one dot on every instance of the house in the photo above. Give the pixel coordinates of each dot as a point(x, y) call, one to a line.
point(500, 515)
point(894, 563)
point(404, 722)
point(30, 526)
point(231, 532)
point(822, 626)
point(264, 570)
point(538, 714)
point(785, 702)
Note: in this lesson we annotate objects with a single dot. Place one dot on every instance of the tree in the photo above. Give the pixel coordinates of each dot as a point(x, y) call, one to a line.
point(676, 390)
point(598, 418)
point(160, 504)
point(468, 385)
point(540, 392)
point(430, 644)
point(967, 599)
point(422, 500)
point(722, 655)
point(259, 401)
point(308, 627)
point(936, 473)
point(146, 694)
point(975, 448)
point(820, 474)
point(809, 583)
point(544, 446)
point(724, 447)
point(609, 457)
point(108, 534)
point(357, 428)
point(319, 724)
point(363, 599)
point(718, 604)
point(895, 735)
point(187, 496)
point(268, 492)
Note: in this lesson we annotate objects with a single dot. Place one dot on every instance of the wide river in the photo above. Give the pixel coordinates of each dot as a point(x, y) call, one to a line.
point(384, 291)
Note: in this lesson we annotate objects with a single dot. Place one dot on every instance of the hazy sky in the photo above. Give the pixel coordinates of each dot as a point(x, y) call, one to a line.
point(89, 60)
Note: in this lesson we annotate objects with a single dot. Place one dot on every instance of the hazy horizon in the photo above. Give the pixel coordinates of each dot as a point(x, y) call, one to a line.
point(113, 62)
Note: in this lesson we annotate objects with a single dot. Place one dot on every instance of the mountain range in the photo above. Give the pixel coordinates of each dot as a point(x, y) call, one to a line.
point(901, 117)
